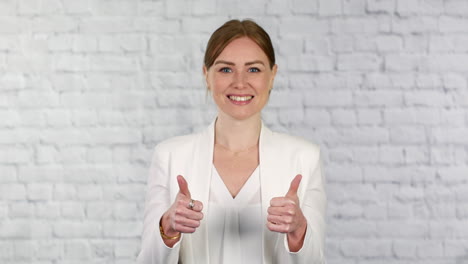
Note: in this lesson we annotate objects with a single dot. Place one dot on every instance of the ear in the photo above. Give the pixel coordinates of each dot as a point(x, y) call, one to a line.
point(273, 70)
point(205, 73)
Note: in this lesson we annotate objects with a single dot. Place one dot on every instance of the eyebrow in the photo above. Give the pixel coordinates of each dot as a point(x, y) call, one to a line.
point(246, 64)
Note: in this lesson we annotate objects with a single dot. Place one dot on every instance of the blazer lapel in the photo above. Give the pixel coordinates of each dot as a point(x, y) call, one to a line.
point(270, 186)
point(199, 188)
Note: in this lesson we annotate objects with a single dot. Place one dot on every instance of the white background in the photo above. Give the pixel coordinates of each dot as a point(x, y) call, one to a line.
point(88, 87)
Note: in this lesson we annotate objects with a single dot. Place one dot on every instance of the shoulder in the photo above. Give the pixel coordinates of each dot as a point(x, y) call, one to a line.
point(176, 143)
point(293, 144)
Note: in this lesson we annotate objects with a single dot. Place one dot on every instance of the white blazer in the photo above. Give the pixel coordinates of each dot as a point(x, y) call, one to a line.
point(282, 157)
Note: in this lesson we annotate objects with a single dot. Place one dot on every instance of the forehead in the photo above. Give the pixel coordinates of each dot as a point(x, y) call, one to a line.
point(243, 48)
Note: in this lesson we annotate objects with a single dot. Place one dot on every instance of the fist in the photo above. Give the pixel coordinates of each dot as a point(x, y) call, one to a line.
point(284, 213)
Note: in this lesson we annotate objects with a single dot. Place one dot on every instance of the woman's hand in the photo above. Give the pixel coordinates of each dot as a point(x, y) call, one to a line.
point(183, 216)
point(285, 216)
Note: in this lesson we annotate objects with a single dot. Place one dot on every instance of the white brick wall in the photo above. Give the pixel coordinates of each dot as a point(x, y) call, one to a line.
point(87, 88)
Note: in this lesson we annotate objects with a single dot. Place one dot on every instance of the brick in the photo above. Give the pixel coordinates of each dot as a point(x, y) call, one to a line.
point(303, 7)
point(420, 7)
point(128, 249)
point(416, 155)
point(151, 8)
point(412, 116)
point(47, 211)
point(354, 7)
point(343, 117)
point(317, 117)
point(21, 210)
point(301, 26)
point(327, 98)
point(119, 8)
point(38, 192)
point(344, 173)
point(76, 7)
point(342, 43)
point(102, 249)
point(366, 248)
point(10, 118)
point(430, 249)
point(358, 62)
point(405, 248)
point(317, 45)
point(414, 229)
point(342, 228)
point(453, 174)
point(99, 210)
point(15, 229)
point(121, 229)
point(291, 116)
point(10, 155)
point(76, 250)
point(406, 174)
point(24, 250)
point(49, 250)
point(456, 7)
point(450, 135)
point(454, 81)
point(311, 63)
point(64, 192)
point(381, 6)
point(7, 7)
point(393, 155)
point(359, 25)
point(41, 174)
point(72, 211)
point(330, 7)
point(379, 98)
point(369, 117)
point(451, 24)
point(71, 229)
point(417, 24)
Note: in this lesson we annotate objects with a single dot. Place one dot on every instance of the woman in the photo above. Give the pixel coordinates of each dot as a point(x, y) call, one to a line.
point(236, 192)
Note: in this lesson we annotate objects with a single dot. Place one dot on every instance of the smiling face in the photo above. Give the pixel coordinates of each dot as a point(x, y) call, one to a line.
point(240, 79)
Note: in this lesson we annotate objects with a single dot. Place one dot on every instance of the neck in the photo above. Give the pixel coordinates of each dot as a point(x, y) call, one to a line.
point(237, 135)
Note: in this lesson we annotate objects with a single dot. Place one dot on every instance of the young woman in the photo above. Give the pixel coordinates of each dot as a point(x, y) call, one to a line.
point(236, 192)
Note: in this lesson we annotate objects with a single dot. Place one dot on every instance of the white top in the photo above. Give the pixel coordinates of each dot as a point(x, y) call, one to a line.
point(235, 224)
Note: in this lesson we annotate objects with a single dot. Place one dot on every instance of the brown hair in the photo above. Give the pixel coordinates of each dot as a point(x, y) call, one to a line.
point(234, 29)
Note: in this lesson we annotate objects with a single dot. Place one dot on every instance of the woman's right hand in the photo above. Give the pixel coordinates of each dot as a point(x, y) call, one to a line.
point(180, 218)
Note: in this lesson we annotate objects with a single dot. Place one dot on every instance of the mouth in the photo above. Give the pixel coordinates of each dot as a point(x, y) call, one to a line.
point(240, 98)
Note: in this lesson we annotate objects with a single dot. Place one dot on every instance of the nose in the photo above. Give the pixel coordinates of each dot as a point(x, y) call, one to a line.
point(240, 80)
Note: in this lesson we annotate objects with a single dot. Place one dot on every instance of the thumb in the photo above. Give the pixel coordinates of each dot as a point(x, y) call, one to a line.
point(183, 186)
point(294, 186)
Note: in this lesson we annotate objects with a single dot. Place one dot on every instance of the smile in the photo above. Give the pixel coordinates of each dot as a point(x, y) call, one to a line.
point(240, 98)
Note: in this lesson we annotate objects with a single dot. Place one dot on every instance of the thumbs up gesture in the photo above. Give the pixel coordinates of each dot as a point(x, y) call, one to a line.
point(185, 213)
point(285, 215)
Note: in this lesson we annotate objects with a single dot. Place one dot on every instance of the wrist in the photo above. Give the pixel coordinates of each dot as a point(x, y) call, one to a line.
point(165, 229)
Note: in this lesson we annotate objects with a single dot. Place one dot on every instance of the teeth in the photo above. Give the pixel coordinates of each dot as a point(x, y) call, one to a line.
point(240, 98)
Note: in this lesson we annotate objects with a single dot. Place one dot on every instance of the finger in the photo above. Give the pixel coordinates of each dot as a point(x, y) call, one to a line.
point(294, 186)
point(277, 227)
point(280, 219)
point(182, 221)
point(184, 229)
point(183, 186)
point(187, 213)
point(283, 210)
point(282, 201)
point(198, 206)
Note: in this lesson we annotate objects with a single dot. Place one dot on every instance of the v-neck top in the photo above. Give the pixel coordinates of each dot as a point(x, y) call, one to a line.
point(235, 224)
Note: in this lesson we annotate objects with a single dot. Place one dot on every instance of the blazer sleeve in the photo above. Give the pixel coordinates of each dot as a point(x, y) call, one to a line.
point(313, 205)
point(153, 249)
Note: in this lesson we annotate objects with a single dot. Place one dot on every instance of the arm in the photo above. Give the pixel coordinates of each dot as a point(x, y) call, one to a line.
point(153, 248)
point(308, 247)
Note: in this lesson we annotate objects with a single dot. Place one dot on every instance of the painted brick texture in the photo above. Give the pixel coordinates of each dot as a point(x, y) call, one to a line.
point(87, 88)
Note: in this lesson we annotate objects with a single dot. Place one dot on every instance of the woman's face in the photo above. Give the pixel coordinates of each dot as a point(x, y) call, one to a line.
point(240, 79)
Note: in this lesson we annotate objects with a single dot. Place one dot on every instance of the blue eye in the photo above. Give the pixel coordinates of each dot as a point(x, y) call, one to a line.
point(254, 69)
point(225, 70)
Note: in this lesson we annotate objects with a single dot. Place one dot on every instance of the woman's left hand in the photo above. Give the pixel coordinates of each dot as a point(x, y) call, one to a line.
point(285, 216)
